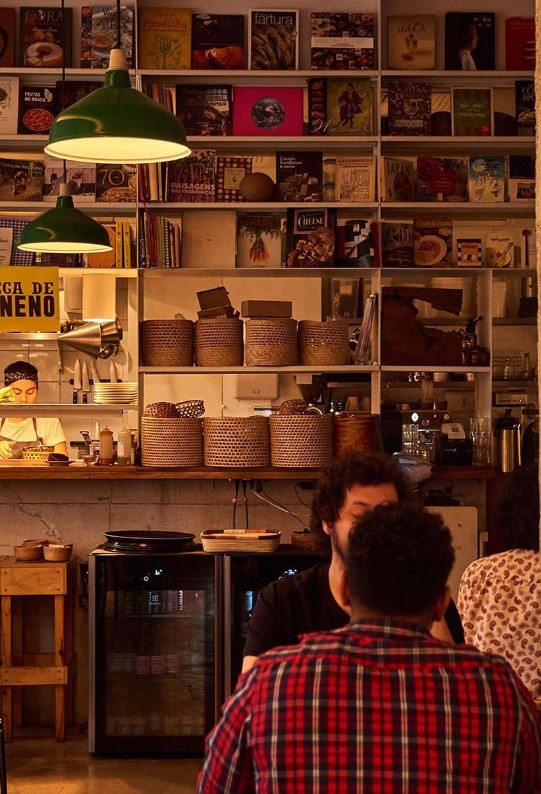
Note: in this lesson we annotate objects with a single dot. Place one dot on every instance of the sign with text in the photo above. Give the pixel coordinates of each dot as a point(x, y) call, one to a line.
point(29, 299)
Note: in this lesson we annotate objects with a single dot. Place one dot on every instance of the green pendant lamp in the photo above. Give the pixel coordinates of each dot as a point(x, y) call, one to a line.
point(64, 230)
point(117, 124)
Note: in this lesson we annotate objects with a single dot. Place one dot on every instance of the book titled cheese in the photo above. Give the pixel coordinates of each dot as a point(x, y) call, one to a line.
point(411, 41)
point(165, 38)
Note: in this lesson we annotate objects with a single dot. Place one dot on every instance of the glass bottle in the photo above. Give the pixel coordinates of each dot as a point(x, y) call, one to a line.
point(106, 447)
point(124, 447)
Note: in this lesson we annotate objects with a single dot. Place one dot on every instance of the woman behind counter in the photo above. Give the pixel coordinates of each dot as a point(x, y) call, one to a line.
point(19, 432)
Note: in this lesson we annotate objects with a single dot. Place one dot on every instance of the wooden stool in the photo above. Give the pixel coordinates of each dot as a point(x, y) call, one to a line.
point(20, 579)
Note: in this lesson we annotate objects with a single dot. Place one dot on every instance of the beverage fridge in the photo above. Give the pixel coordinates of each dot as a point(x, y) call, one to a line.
point(155, 648)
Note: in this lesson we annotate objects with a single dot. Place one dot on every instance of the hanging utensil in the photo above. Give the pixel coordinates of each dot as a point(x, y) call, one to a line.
point(85, 383)
point(76, 381)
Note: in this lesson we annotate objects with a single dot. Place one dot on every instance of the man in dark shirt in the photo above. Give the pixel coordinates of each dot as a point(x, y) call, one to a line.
point(304, 602)
point(380, 705)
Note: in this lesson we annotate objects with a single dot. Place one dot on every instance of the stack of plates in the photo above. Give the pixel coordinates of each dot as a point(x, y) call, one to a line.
point(114, 393)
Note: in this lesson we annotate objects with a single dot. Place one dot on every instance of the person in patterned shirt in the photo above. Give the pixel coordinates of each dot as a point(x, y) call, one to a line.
point(379, 705)
point(499, 597)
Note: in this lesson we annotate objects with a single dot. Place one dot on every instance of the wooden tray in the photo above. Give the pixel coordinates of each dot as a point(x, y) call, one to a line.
point(254, 540)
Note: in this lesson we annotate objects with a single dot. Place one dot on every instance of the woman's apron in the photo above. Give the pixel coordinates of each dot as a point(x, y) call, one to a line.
point(18, 446)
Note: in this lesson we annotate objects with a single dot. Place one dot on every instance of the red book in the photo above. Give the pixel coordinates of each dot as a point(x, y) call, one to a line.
point(519, 43)
point(267, 111)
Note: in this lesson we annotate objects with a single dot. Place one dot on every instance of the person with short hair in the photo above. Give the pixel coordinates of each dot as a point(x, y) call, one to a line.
point(380, 705)
point(19, 432)
point(303, 602)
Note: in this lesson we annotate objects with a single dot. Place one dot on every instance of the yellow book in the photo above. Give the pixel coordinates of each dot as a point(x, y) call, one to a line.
point(165, 38)
point(107, 258)
point(119, 244)
point(128, 243)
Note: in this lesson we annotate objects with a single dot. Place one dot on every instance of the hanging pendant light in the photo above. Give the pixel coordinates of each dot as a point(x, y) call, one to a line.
point(117, 124)
point(64, 230)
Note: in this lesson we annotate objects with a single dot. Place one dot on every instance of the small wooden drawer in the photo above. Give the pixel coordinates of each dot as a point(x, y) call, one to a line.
point(32, 578)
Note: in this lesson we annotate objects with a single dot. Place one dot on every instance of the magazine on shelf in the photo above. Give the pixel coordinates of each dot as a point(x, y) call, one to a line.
point(397, 179)
point(259, 240)
point(165, 38)
point(37, 108)
point(9, 105)
point(230, 171)
point(299, 175)
point(433, 242)
point(442, 179)
point(99, 32)
point(410, 107)
point(519, 43)
point(340, 106)
point(218, 41)
point(7, 36)
point(310, 237)
point(521, 179)
point(116, 182)
point(525, 107)
point(393, 243)
point(411, 41)
point(273, 39)
point(342, 40)
point(486, 178)
point(42, 44)
point(472, 111)
point(470, 40)
point(355, 179)
point(354, 245)
point(268, 110)
point(204, 109)
point(192, 179)
point(80, 177)
point(24, 258)
point(21, 180)
point(469, 251)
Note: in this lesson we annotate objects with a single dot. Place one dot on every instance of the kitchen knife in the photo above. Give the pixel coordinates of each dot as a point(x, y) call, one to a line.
point(76, 380)
point(112, 372)
point(86, 383)
point(94, 373)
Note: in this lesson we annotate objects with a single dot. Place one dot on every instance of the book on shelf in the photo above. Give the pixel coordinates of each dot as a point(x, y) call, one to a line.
point(486, 178)
point(410, 108)
point(299, 175)
point(341, 40)
point(354, 245)
point(393, 243)
point(165, 95)
point(9, 105)
point(204, 109)
point(525, 106)
point(469, 251)
point(355, 178)
point(7, 37)
point(310, 237)
point(397, 179)
point(273, 39)
point(521, 177)
point(73, 91)
point(472, 111)
point(440, 111)
point(165, 38)
point(361, 351)
point(192, 179)
point(500, 248)
point(259, 240)
point(341, 298)
point(442, 179)
point(209, 239)
point(411, 41)
point(520, 43)
point(230, 171)
point(104, 258)
point(268, 110)
point(503, 110)
point(21, 180)
point(80, 178)
point(6, 244)
point(99, 33)
point(433, 242)
point(17, 257)
point(59, 260)
point(150, 179)
point(37, 108)
point(116, 182)
point(470, 40)
point(42, 44)
point(340, 106)
point(218, 41)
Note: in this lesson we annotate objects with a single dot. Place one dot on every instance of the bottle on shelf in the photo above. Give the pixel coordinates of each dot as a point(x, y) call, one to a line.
point(106, 447)
point(124, 447)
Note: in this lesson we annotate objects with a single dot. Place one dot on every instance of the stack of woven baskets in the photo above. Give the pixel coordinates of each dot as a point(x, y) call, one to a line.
point(172, 434)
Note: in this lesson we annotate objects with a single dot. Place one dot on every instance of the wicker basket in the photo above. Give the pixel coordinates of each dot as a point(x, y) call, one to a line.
point(57, 552)
point(305, 540)
point(171, 442)
point(218, 342)
point(300, 441)
point(240, 540)
point(167, 343)
point(28, 553)
point(360, 430)
point(37, 453)
point(323, 342)
point(270, 343)
point(236, 441)
point(161, 410)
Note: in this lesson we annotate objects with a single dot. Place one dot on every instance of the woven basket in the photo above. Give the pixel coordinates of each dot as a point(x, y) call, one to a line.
point(300, 441)
point(37, 453)
point(218, 342)
point(28, 553)
point(236, 441)
point(360, 430)
point(270, 342)
point(161, 410)
point(323, 342)
point(57, 552)
point(244, 540)
point(171, 442)
point(305, 540)
point(167, 343)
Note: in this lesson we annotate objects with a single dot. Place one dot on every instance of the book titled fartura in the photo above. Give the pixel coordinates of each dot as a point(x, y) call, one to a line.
point(273, 39)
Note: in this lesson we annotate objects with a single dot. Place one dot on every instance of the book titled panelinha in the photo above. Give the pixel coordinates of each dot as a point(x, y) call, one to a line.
point(165, 38)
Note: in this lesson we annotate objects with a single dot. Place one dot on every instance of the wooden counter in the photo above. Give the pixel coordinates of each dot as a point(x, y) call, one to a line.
point(76, 472)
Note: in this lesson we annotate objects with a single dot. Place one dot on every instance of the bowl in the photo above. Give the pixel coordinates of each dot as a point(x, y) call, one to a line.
point(36, 542)
point(28, 553)
point(57, 552)
point(37, 453)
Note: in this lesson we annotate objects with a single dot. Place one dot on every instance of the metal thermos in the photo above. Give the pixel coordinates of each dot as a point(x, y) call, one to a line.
point(507, 442)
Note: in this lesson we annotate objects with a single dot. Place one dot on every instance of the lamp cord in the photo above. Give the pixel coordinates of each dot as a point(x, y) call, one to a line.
point(63, 83)
point(118, 43)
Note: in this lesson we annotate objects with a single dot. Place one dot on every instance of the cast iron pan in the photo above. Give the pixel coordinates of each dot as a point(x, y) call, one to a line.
point(143, 540)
